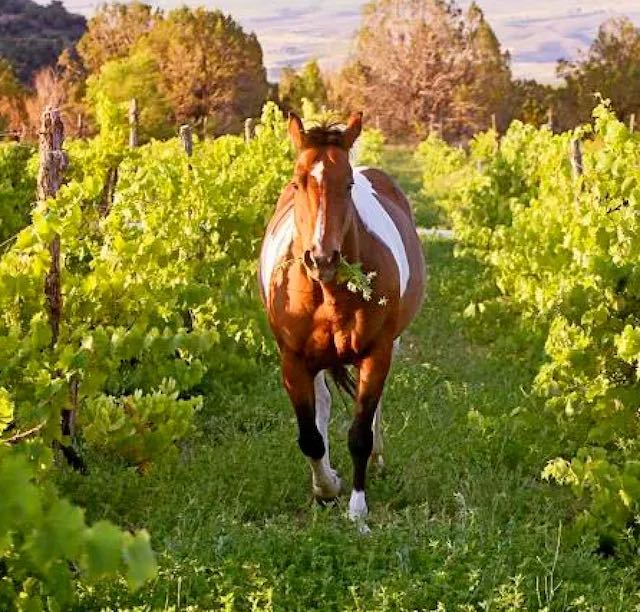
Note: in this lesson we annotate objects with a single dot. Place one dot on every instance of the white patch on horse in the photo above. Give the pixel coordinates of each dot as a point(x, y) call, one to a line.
point(317, 172)
point(377, 220)
point(358, 506)
point(274, 248)
point(326, 482)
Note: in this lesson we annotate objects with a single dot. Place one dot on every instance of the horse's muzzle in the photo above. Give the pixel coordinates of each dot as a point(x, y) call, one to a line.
point(320, 266)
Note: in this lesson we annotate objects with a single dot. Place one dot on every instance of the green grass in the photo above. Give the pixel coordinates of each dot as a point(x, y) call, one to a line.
point(400, 162)
point(460, 519)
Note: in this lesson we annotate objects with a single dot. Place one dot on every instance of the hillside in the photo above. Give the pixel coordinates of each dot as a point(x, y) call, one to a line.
point(33, 36)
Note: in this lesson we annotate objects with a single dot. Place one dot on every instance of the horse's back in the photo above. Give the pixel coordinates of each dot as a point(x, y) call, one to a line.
point(385, 185)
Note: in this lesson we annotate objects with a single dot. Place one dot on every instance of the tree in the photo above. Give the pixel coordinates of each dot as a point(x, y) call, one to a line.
point(308, 83)
point(491, 85)
point(135, 76)
point(610, 67)
point(11, 97)
point(210, 67)
point(421, 65)
point(32, 36)
point(113, 32)
point(47, 90)
point(530, 101)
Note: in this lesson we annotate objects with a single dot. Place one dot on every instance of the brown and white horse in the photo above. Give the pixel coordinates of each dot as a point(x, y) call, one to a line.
point(328, 214)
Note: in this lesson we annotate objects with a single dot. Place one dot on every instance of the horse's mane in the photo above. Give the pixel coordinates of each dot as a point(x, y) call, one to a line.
point(324, 133)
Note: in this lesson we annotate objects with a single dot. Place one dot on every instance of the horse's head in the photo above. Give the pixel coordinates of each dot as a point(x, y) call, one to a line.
point(322, 181)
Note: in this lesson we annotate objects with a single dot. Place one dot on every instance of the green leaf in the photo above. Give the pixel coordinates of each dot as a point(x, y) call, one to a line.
point(104, 549)
point(140, 560)
point(6, 409)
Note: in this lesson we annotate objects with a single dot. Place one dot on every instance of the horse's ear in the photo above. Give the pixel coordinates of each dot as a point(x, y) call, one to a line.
point(296, 131)
point(351, 133)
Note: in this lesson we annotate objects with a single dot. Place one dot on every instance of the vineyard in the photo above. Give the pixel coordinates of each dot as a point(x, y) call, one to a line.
point(513, 478)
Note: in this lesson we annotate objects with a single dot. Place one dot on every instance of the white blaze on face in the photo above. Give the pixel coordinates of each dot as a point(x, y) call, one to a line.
point(317, 172)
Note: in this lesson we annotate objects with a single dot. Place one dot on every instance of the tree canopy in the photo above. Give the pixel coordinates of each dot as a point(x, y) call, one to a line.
point(33, 36)
point(424, 64)
point(307, 83)
point(611, 67)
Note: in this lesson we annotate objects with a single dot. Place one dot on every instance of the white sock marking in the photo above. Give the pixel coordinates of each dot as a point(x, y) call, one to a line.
point(377, 220)
point(274, 248)
point(357, 506)
point(326, 483)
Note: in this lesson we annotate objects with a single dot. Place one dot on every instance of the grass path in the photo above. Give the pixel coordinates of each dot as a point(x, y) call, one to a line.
point(460, 520)
point(461, 516)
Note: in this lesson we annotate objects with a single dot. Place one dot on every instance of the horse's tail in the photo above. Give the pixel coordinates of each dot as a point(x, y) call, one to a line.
point(344, 380)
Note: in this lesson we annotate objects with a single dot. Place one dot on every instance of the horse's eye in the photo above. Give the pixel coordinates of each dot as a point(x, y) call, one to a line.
point(295, 185)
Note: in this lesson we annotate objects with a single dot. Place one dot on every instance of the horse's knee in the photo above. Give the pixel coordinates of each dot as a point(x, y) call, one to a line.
point(311, 442)
point(360, 439)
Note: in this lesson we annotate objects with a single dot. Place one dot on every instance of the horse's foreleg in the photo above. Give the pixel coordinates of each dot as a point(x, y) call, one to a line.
point(373, 373)
point(300, 385)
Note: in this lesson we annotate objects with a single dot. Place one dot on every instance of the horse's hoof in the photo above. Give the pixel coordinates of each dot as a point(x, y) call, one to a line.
point(325, 502)
point(329, 491)
point(363, 528)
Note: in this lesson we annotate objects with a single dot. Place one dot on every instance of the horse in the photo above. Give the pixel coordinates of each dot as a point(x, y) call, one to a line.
point(331, 219)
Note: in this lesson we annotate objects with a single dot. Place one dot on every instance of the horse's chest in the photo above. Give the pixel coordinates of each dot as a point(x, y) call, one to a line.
point(337, 334)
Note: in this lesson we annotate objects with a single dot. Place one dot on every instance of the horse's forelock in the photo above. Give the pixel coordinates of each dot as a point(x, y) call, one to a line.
point(324, 135)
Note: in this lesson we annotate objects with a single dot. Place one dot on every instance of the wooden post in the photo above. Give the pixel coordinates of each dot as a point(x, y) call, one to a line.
point(53, 162)
point(186, 135)
point(248, 129)
point(133, 123)
point(632, 122)
point(205, 127)
point(494, 123)
point(80, 126)
point(576, 158)
point(108, 191)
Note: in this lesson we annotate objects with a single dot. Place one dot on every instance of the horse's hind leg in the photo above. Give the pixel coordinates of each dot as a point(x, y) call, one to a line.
point(377, 459)
point(326, 483)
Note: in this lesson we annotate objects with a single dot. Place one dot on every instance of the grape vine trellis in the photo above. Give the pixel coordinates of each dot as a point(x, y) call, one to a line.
point(171, 236)
point(560, 235)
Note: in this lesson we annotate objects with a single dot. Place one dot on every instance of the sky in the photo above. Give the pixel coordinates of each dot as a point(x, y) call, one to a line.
point(536, 32)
